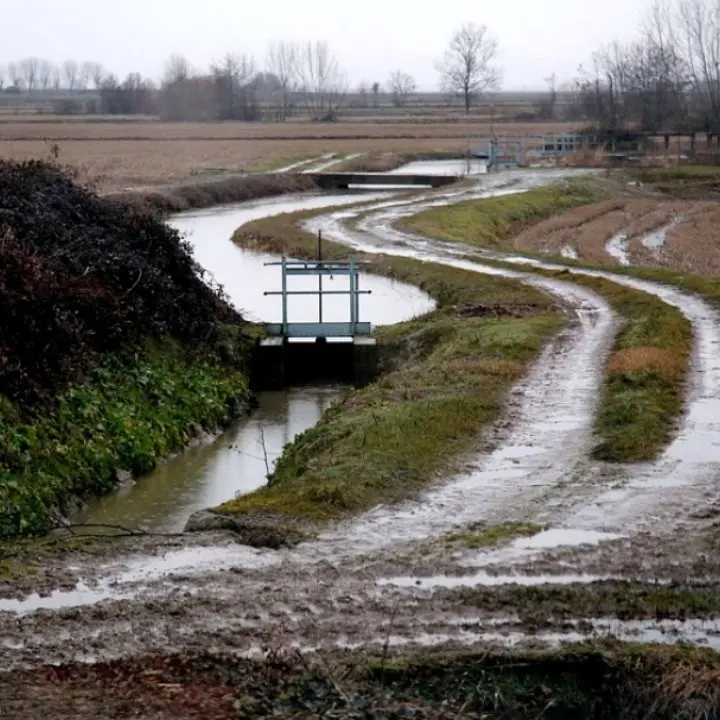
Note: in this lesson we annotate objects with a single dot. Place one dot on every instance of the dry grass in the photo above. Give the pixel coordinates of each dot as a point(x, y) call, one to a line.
point(125, 164)
point(647, 359)
point(272, 131)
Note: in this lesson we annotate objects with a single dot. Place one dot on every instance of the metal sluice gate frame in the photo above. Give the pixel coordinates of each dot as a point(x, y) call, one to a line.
point(320, 329)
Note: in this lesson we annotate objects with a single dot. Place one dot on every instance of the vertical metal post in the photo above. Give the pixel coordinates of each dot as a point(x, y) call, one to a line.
point(284, 297)
point(357, 296)
point(353, 319)
point(320, 277)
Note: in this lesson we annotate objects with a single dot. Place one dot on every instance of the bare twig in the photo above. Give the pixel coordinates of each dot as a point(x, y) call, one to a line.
point(332, 679)
point(265, 452)
point(386, 644)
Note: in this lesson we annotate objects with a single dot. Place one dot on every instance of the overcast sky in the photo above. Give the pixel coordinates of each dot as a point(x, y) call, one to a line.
point(370, 38)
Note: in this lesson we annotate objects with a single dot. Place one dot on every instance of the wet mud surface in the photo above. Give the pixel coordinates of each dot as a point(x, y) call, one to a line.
point(624, 551)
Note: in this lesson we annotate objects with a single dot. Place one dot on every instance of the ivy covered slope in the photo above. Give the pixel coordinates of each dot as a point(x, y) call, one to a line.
point(113, 350)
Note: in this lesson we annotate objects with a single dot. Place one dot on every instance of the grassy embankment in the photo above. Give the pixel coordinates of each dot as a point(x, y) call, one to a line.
point(130, 411)
point(446, 376)
point(203, 194)
point(643, 389)
point(113, 351)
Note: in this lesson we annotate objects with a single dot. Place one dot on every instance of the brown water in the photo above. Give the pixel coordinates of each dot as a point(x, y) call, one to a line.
point(218, 469)
point(214, 470)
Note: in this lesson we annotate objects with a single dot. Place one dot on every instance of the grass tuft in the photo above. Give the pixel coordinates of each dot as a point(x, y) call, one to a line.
point(493, 535)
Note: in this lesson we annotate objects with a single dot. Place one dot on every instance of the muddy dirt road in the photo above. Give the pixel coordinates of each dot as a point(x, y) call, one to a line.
point(390, 577)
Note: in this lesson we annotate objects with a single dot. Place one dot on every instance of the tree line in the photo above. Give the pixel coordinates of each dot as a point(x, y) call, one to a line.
point(667, 79)
point(292, 78)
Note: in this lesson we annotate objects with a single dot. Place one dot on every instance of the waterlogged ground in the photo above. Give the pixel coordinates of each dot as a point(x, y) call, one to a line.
point(533, 544)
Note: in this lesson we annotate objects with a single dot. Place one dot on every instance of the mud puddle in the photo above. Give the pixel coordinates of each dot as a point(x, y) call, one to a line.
point(617, 247)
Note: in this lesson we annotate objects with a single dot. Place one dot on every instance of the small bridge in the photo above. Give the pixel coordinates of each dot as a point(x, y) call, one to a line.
point(338, 350)
point(341, 181)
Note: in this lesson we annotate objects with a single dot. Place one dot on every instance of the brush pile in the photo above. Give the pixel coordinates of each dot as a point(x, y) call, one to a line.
point(81, 276)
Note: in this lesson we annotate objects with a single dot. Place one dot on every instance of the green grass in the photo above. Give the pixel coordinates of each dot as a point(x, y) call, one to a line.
point(385, 442)
point(644, 380)
point(643, 388)
point(677, 173)
point(493, 535)
point(613, 599)
point(492, 221)
point(131, 411)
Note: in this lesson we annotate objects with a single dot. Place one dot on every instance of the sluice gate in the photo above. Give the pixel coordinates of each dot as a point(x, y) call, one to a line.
point(298, 352)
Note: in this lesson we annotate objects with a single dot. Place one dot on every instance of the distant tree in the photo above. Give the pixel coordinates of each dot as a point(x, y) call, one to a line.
point(29, 68)
point(282, 62)
point(467, 67)
point(376, 90)
point(401, 85)
point(55, 78)
point(83, 76)
point(235, 92)
point(71, 74)
point(95, 72)
point(322, 82)
point(15, 75)
point(45, 74)
point(362, 91)
point(133, 97)
point(177, 69)
point(546, 106)
point(3, 70)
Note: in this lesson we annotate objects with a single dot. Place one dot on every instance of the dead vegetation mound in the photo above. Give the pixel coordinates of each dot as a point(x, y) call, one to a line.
point(81, 275)
point(216, 192)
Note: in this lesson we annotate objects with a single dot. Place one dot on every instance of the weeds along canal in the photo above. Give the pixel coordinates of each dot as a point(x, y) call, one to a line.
point(215, 469)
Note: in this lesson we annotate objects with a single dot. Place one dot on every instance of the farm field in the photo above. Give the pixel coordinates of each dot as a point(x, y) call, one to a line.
point(118, 156)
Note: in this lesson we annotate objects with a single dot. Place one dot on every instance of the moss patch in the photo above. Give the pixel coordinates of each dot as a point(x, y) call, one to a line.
point(385, 442)
point(492, 535)
point(607, 599)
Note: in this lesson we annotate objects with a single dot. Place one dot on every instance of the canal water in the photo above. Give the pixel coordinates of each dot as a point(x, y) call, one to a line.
point(236, 462)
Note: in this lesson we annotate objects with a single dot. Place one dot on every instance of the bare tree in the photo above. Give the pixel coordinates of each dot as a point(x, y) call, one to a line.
point(401, 85)
point(322, 82)
point(177, 69)
point(29, 68)
point(95, 72)
point(235, 90)
point(700, 29)
point(15, 75)
point(376, 90)
point(71, 74)
point(55, 78)
point(282, 62)
point(467, 67)
point(44, 74)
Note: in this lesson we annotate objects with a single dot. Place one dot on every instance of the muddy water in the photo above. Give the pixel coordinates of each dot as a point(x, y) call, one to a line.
point(471, 166)
point(217, 469)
